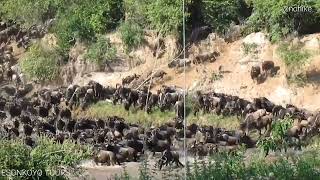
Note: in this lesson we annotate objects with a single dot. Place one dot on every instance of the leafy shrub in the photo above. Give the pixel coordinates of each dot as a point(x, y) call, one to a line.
point(220, 13)
point(14, 155)
point(84, 23)
point(67, 30)
point(40, 63)
point(292, 55)
point(224, 165)
point(50, 156)
point(278, 138)
point(165, 16)
point(249, 48)
point(274, 17)
point(101, 51)
point(131, 35)
point(136, 11)
point(45, 159)
point(28, 12)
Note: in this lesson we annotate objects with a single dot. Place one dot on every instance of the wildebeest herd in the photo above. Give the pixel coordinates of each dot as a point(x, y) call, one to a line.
point(49, 112)
point(11, 31)
point(267, 69)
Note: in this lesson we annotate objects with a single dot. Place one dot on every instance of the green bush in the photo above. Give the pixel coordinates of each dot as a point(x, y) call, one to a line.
point(27, 12)
point(131, 34)
point(14, 155)
point(292, 55)
point(101, 51)
point(249, 48)
point(294, 58)
point(85, 23)
point(165, 16)
point(40, 63)
point(50, 156)
point(67, 30)
point(274, 17)
point(136, 11)
point(46, 159)
point(278, 138)
point(220, 13)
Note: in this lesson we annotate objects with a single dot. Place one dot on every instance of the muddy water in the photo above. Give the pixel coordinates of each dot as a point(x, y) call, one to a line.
point(98, 172)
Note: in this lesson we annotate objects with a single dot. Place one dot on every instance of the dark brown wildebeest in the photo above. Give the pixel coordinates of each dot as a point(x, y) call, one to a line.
point(208, 57)
point(105, 157)
point(129, 79)
point(169, 157)
point(255, 72)
point(267, 66)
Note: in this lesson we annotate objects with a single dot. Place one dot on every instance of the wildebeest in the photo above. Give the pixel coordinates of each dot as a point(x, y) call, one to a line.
point(129, 79)
point(169, 157)
point(208, 57)
point(105, 157)
point(255, 72)
point(179, 63)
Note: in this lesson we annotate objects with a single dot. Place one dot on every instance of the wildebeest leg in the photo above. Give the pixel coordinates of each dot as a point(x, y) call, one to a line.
point(160, 164)
point(178, 163)
point(114, 101)
point(118, 161)
point(135, 158)
point(259, 133)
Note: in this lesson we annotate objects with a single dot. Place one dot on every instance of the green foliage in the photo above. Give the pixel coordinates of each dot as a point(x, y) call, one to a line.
point(131, 34)
point(136, 11)
point(292, 55)
point(40, 63)
point(13, 155)
point(84, 23)
point(249, 48)
point(278, 138)
point(46, 159)
point(275, 17)
point(28, 12)
point(165, 16)
point(49, 156)
point(216, 77)
point(74, 19)
point(101, 51)
point(220, 13)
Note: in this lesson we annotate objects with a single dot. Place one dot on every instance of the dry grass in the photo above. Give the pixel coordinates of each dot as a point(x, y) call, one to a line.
point(104, 109)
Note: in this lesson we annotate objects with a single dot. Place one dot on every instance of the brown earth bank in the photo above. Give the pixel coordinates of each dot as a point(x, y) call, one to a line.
point(235, 65)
